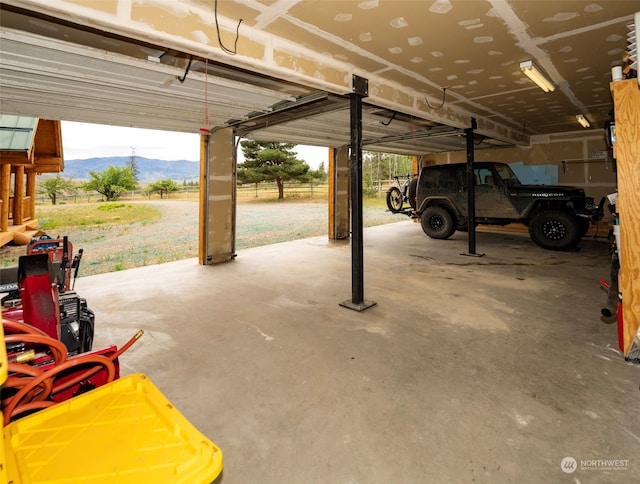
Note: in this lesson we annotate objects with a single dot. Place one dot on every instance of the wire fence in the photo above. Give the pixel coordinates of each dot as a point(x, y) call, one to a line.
point(253, 191)
point(184, 193)
point(267, 191)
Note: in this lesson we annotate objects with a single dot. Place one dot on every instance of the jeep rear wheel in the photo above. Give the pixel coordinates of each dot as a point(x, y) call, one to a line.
point(437, 222)
point(554, 230)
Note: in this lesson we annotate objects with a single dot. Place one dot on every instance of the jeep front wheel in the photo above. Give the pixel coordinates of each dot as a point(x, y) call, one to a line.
point(554, 230)
point(437, 222)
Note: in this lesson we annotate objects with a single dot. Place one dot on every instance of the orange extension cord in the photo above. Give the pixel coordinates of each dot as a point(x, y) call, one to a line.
point(33, 385)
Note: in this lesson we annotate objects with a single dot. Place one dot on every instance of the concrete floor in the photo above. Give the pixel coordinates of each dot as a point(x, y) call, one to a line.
point(489, 369)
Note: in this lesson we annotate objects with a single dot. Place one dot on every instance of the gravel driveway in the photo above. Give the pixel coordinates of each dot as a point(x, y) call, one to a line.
point(175, 235)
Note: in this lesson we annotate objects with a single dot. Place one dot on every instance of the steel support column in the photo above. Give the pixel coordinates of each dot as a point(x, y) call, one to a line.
point(357, 302)
point(471, 191)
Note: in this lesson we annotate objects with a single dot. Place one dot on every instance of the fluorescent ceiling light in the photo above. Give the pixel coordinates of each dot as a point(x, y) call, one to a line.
point(535, 74)
point(583, 121)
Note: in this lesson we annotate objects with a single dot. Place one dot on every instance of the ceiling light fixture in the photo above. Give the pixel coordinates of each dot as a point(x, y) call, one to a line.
point(583, 121)
point(534, 73)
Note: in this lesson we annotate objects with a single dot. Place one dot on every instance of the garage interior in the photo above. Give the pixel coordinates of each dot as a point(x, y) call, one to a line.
point(491, 369)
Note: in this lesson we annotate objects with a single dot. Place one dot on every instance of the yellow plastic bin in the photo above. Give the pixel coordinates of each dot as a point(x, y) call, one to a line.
point(123, 432)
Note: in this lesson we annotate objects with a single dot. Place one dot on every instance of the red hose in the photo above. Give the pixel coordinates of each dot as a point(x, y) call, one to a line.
point(39, 384)
point(58, 349)
point(16, 382)
point(27, 407)
point(14, 402)
point(92, 371)
point(127, 345)
point(14, 326)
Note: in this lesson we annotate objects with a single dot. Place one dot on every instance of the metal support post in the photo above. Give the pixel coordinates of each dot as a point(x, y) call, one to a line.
point(357, 302)
point(471, 191)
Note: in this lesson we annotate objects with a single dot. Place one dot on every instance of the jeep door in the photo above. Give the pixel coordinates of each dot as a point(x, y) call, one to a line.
point(492, 195)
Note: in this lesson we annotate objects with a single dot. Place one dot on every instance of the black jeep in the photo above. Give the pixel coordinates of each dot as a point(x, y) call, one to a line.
point(557, 216)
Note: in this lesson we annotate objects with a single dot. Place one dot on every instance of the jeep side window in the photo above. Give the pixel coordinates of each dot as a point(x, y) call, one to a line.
point(433, 179)
point(507, 174)
point(443, 179)
point(484, 176)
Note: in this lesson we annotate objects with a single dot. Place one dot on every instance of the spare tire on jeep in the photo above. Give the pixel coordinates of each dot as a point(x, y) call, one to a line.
point(554, 230)
point(411, 192)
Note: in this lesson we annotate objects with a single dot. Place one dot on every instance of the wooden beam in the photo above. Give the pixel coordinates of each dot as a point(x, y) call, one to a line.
point(332, 193)
point(204, 160)
point(31, 193)
point(18, 195)
point(626, 96)
point(5, 193)
point(48, 138)
point(47, 169)
point(15, 158)
point(47, 162)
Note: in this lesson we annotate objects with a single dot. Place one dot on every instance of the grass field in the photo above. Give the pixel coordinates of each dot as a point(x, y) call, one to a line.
point(123, 235)
point(54, 217)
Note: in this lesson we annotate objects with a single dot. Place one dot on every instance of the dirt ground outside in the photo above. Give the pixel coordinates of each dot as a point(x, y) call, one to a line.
point(175, 235)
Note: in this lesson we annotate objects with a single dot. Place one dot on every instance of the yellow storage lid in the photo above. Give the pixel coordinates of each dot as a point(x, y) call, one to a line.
point(125, 432)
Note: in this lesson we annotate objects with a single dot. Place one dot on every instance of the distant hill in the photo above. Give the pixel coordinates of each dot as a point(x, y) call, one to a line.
point(149, 169)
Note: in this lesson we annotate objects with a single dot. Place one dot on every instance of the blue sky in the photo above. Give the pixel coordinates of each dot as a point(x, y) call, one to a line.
point(83, 140)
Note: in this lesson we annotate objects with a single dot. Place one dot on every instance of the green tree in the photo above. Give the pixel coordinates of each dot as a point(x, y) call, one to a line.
point(321, 173)
point(271, 161)
point(111, 182)
point(162, 187)
point(55, 186)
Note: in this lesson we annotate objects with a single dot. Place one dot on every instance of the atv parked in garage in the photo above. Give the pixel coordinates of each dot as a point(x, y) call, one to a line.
point(557, 216)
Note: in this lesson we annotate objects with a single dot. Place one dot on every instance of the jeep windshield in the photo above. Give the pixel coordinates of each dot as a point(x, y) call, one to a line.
point(507, 174)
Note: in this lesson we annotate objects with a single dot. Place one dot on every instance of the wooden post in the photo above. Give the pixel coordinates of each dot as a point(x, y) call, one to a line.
point(5, 193)
point(18, 195)
point(31, 193)
point(331, 194)
point(626, 97)
point(202, 219)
